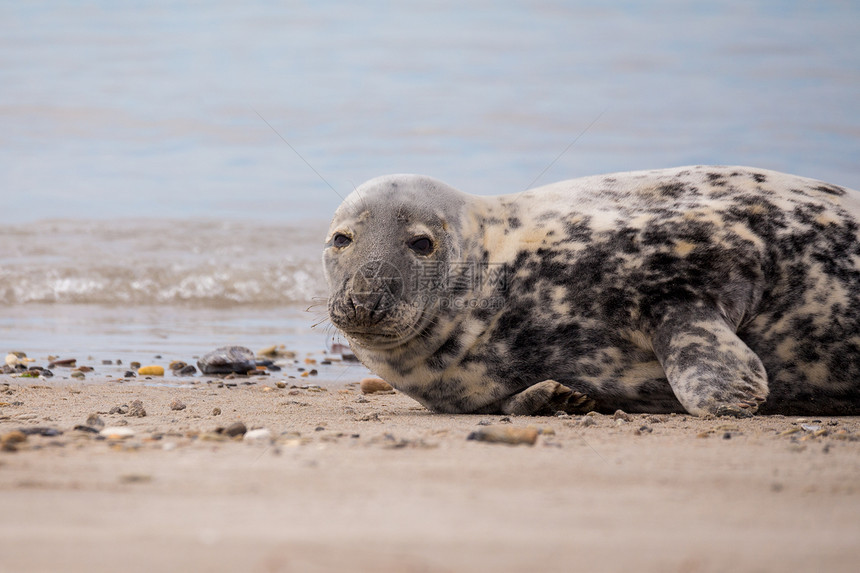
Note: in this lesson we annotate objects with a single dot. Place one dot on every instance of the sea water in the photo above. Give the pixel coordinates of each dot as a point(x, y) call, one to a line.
point(168, 170)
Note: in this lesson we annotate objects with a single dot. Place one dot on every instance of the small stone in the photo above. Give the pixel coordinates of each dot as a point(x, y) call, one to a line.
point(65, 362)
point(129, 374)
point(259, 434)
point(88, 429)
point(374, 385)
point(188, 370)
point(177, 405)
point(84, 369)
point(135, 364)
point(153, 370)
point(727, 436)
point(281, 384)
point(505, 435)
point(586, 421)
point(228, 360)
point(622, 415)
point(276, 351)
point(78, 374)
point(236, 429)
point(13, 437)
point(810, 427)
point(136, 409)
point(93, 420)
point(119, 410)
point(41, 431)
point(216, 411)
point(116, 433)
point(107, 362)
point(177, 365)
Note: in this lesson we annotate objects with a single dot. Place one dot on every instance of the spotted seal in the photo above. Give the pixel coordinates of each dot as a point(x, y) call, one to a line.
point(710, 290)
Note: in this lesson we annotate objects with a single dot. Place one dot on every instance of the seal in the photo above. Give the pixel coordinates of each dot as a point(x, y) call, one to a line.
point(707, 289)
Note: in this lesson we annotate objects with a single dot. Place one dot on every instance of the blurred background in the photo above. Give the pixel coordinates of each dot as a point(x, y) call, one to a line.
point(112, 109)
point(147, 193)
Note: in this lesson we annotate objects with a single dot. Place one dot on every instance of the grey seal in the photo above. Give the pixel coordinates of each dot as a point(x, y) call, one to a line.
point(705, 289)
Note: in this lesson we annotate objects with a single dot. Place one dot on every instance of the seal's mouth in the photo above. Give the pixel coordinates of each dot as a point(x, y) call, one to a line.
point(386, 338)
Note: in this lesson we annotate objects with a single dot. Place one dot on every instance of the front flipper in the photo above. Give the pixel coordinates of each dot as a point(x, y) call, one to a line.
point(546, 398)
point(709, 368)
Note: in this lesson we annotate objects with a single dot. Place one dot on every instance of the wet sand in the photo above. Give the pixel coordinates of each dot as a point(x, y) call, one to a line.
point(349, 482)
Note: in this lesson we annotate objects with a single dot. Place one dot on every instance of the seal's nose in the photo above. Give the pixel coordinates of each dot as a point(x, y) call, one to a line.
point(368, 307)
point(376, 288)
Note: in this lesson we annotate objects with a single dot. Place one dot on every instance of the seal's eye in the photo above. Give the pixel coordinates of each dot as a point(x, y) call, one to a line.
point(421, 245)
point(340, 240)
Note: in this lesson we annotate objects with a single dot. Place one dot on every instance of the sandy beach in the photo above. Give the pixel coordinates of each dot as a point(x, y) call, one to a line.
point(343, 481)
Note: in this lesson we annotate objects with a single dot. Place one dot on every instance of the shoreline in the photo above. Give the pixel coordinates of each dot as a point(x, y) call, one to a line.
point(347, 481)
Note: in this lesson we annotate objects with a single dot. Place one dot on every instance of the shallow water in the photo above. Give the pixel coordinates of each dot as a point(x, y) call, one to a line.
point(143, 174)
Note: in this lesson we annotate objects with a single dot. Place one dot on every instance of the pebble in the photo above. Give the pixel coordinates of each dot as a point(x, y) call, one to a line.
point(188, 370)
point(65, 362)
point(41, 431)
point(89, 429)
point(227, 360)
point(259, 434)
point(78, 374)
point(117, 433)
point(276, 351)
point(281, 384)
point(586, 421)
point(237, 429)
point(129, 374)
point(622, 415)
point(177, 365)
point(136, 409)
point(13, 437)
point(152, 370)
point(177, 405)
point(788, 432)
point(505, 435)
point(374, 385)
point(135, 365)
point(216, 411)
point(119, 410)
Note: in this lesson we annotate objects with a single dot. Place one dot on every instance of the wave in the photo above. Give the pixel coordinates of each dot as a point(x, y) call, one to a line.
point(144, 262)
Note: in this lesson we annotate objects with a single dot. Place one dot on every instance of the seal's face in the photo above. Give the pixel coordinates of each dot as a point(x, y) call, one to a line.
point(385, 248)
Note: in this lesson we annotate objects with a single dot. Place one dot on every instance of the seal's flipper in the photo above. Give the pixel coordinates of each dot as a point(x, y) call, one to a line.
point(546, 398)
point(709, 368)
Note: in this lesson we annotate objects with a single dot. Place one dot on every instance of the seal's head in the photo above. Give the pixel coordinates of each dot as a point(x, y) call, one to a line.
point(386, 250)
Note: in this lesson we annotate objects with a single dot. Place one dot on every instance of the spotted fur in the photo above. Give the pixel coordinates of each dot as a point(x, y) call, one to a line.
point(723, 290)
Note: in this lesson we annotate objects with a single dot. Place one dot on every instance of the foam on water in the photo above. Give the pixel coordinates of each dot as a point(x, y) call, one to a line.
point(166, 262)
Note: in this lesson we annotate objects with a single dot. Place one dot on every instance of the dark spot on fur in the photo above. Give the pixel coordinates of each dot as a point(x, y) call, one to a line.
point(673, 190)
point(831, 190)
point(716, 179)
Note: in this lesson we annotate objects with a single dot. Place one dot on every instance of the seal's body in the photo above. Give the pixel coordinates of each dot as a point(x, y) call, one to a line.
point(722, 290)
